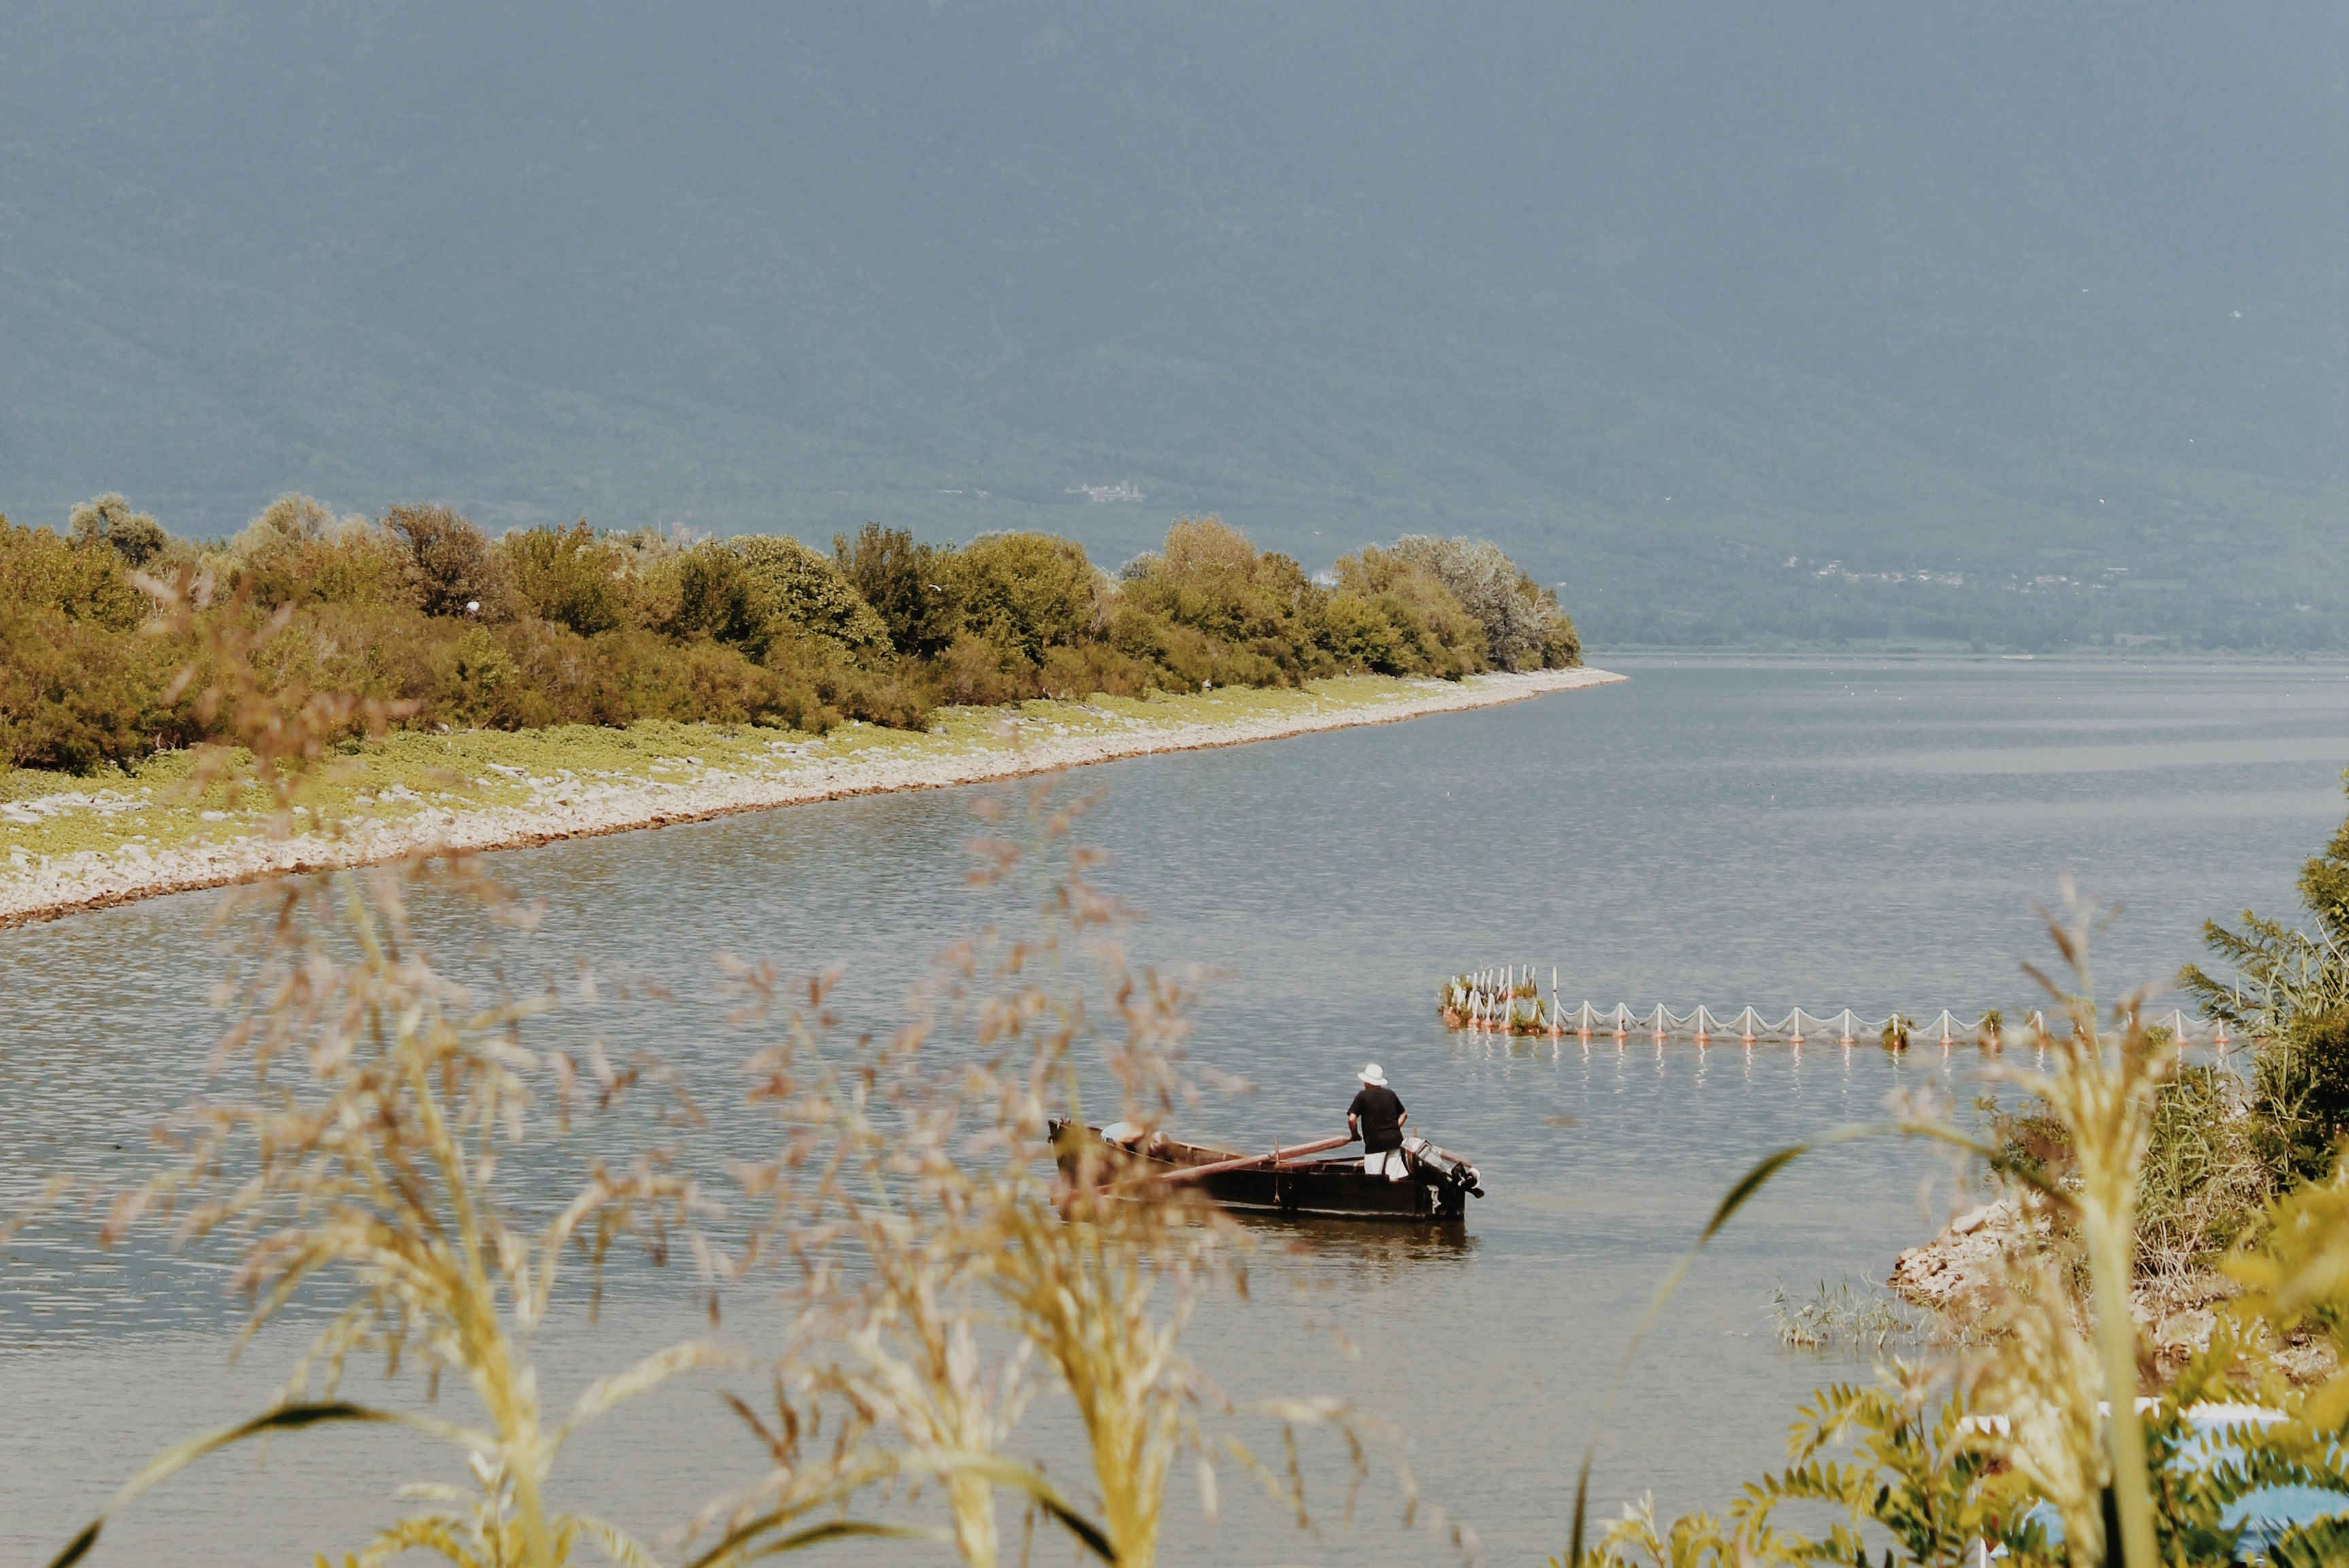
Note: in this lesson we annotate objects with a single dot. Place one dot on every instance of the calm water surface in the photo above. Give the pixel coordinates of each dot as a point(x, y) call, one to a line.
point(1831, 834)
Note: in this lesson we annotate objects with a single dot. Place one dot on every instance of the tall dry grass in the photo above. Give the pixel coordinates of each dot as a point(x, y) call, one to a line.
point(365, 1126)
point(360, 1130)
point(947, 1272)
point(373, 1127)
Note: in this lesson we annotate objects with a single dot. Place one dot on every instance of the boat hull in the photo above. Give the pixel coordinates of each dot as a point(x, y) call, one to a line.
point(1337, 1188)
point(1334, 1189)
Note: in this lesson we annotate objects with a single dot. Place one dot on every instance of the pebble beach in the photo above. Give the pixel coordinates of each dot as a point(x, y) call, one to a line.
point(565, 805)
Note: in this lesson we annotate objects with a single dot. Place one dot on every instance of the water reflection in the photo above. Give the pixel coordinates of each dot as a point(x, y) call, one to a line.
point(1375, 1249)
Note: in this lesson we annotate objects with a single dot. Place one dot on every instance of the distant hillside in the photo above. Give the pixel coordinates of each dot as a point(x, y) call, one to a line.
point(1658, 297)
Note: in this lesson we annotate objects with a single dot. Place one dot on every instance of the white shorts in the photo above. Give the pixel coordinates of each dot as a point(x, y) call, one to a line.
point(1390, 1164)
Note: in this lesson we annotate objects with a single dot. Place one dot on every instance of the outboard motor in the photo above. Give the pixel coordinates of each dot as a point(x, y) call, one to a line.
point(1444, 1165)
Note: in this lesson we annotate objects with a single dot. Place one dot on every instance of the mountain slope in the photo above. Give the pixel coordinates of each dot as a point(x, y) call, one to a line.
point(1659, 298)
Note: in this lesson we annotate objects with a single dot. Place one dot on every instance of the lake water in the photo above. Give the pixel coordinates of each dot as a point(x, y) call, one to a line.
point(1868, 833)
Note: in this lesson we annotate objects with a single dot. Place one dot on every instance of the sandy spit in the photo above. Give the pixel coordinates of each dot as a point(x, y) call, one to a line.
point(87, 882)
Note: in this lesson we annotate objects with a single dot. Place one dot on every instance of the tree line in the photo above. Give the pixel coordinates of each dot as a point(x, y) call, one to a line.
point(546, 626)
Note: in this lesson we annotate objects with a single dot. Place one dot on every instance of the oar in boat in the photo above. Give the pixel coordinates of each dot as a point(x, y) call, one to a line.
point(1192, 1172)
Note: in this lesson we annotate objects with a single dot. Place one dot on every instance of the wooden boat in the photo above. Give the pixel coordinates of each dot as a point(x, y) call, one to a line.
point(1305, 1180)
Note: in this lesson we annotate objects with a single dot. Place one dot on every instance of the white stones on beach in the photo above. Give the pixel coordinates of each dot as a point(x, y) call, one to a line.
point(563, 807)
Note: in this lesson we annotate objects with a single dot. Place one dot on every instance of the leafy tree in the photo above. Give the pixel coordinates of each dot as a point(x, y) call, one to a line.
point(293, 520)
point(2290, 992)
point(811, 595)
point(905, 582)
point(1523, 627)
point(1025, 594)
point(108, 519)
point(450, 569)
point(296, 552)
point(570, 577)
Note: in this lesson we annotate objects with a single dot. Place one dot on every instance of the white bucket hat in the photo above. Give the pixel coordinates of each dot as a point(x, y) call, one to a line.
point(1371, 1075)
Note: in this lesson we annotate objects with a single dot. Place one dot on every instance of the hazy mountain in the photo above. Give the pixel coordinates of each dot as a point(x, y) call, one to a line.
point(1659, 296)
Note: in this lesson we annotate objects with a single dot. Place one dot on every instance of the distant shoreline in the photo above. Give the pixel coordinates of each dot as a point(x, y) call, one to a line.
point(92, 880)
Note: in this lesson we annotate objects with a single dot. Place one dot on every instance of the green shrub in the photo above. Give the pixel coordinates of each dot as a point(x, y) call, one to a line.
point(2205, 1177)
point(570, 577)
point(73, 694)
point(906, 582)
point(1024, 593)
point(134, 536)
point(811, 595)
point(709, 593)
point(1257, 619)
point(482, 678)
point(1089, 667)
point(91, 585)
point(2290, 993)
point(1360, 636)
point(450, 568)
point(974, 671)
point(2204, 1180)
point(2301, 1082)
point(1434, 635)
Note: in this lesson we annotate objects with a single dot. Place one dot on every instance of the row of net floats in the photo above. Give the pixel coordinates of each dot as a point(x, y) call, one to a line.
point(1507, 1001)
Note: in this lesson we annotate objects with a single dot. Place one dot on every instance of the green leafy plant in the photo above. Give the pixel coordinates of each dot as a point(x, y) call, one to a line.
point(546, 626)
point(2290, 991)
point(1915, 1476)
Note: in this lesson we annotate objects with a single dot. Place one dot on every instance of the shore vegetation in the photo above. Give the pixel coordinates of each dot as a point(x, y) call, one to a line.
point(2139, 1183)
point(420, 609)
point(2004, 1440)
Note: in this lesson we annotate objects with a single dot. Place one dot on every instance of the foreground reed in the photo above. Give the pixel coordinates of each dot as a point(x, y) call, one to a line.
point(950, 1261)
point(373, 1154)
point(392, 1144)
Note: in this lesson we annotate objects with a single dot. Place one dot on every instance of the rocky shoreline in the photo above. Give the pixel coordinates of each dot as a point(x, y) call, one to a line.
point(95, 880)
point(1957, 1276)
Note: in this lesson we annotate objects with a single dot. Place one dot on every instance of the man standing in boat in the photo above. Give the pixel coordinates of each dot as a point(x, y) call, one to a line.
point(1376, 1117)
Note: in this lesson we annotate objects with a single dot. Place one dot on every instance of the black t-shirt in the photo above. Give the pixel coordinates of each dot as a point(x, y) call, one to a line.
point(1380, 1111)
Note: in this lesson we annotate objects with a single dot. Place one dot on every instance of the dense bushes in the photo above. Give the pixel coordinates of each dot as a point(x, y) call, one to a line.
point(550, 625)
point(2290, 991)
point(2225, 1141)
